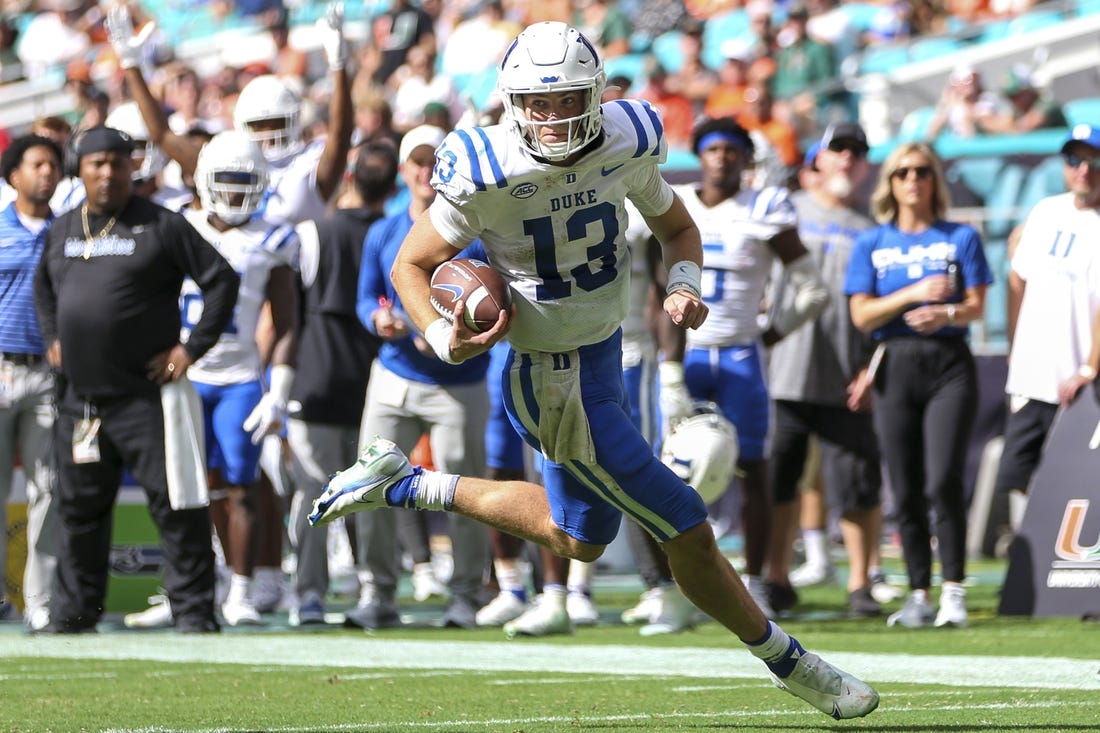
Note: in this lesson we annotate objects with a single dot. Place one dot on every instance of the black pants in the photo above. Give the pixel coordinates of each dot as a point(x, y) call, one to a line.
point(926, 397)
point(131, 436)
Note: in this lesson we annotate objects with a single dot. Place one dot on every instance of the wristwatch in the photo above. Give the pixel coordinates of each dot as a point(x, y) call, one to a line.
point(1085, 371)
point(950, 314)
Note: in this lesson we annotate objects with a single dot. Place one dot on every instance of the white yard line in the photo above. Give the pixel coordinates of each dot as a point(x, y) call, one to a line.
point(329, 653)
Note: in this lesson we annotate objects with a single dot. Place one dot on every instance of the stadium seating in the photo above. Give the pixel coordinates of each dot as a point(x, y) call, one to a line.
point(1082, 111)
point(914, 126)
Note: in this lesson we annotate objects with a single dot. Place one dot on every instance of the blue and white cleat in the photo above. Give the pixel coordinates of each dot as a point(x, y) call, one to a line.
point(832, 691)
point(363, 485)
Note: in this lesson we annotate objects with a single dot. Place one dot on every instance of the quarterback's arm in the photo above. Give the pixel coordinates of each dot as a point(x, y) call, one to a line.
point(682, 250)
point(424, 249)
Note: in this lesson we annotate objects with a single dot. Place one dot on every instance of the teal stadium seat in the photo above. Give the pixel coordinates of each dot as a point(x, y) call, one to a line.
point(862, 15)
point(630, 65)
point(718, 30)
point(1033, 21)
point(979, 175)
point(914, 126)
point(1085, 8)
point(1085, 111)
point(996, 297)
point(668, 51)
point(883, 59)
point(933, 48)
point(1003, 200)
point(1044, 180)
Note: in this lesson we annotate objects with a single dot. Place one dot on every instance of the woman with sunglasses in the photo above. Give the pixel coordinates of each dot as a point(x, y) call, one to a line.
point(915, 282)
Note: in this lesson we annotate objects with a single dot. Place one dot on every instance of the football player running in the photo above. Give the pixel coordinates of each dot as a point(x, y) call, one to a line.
point(544, 191)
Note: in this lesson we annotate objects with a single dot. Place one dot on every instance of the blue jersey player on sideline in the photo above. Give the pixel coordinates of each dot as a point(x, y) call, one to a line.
point(544, 191)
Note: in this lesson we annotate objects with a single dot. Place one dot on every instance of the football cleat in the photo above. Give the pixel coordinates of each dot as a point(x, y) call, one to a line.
point(546, 616)
point(502, 609)
point(952, 606)
point(649, 606)
point(363, 485)
point(157, 616)
point(832, 691)
point(675, 613)
point(582, 611)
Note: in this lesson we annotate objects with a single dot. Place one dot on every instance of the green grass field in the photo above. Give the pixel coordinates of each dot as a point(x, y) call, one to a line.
point(1001, 674)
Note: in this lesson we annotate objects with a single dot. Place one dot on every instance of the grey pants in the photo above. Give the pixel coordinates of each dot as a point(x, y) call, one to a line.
point(454, 418)
point(28, 422)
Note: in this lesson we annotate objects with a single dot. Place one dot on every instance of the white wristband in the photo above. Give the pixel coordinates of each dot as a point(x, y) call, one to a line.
point(438, 336)
point(685, 275)
point(670, 373)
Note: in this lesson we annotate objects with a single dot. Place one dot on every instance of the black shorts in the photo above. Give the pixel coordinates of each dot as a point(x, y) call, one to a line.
point(850, 459)
point(1026, 432)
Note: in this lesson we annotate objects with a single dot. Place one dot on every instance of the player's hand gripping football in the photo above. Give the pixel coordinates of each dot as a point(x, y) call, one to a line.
point(467, 343)
point(686, 309)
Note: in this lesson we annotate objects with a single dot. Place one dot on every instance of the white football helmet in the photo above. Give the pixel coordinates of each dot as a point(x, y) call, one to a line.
point(231, 176)
point(270, 112)
point(552, 57)
point(702, 450)
point(149, 159)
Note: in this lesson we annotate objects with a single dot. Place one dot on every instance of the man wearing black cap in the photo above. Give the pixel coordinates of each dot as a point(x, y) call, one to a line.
point(107, 297)
point(1054, 312)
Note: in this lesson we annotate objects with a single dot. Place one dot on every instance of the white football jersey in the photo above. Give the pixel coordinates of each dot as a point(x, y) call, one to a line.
point(556, 234)
point(639, 343)
point(292, 195)
point(737, 260)
point(253, 250)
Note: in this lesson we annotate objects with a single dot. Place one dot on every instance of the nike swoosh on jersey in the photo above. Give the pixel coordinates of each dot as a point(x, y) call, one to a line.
point(605, 171)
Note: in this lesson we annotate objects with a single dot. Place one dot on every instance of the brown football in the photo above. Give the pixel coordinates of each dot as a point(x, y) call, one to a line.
point(480, 288)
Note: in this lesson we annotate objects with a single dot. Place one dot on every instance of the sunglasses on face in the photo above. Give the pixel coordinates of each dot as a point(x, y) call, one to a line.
point(1075, 161)
point(840, 146)
point(923, 172)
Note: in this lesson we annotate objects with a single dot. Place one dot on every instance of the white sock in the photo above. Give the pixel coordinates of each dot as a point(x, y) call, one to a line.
point(509, 577)
point(238, 588)
point(435, 490)
point(817, 553)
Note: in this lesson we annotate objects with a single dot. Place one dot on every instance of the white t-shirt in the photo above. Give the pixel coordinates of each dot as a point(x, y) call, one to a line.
point(1058, 258)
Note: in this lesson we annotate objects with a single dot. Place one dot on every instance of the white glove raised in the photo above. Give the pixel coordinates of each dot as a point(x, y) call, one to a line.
point(675, 401)
point(330, 28)
point(129, 48)
point(268, 416)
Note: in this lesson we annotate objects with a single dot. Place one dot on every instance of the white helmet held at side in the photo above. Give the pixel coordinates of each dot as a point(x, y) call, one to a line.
point(149, 159)
point(269, 111)
point(702, 450)
point(552, 57)
point(231, 176)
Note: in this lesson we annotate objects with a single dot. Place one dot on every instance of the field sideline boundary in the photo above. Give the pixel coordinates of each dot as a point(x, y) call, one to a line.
point(372, 653)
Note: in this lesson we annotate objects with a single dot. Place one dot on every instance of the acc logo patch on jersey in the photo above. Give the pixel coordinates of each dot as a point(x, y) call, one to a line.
point(524, 190)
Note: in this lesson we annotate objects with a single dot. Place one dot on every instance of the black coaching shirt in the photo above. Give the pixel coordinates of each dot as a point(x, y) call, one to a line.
point(113, 300)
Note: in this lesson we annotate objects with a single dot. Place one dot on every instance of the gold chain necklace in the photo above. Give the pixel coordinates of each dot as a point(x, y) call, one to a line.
point(88, 238)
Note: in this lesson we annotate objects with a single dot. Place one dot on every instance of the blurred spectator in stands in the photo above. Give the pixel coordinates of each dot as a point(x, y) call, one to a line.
point(759, 114)
point(11, 68)
point(705, 9)
point(415, 84)
point(728, 96)
point(765, 47)
point(694, 79)
point(651, 18)
point(1027, 109)
point(1010, 8)
point(289, 61)
point(803, 68)
point(396, 31)
point(182, 91)
point(962, 104)
point(927, 18)
point(890, 24)
point(617, 87)
point(262, 12)
point(478, 41)
point(832, 25)
point(438, 115)
point(373, 115)
point(604, 23)
point(676, 109)
point(53, 37)
point(963, 13)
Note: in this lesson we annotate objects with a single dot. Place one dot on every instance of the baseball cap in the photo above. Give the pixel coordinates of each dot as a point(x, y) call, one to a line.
point(429, 135)
point(737, 49)
point(845, 131)
point(1018, 79)
point(1086, 134)
point(104, 139)
point(810, 161)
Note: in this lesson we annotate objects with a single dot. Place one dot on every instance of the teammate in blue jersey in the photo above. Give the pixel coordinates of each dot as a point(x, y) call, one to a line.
point(545, 191)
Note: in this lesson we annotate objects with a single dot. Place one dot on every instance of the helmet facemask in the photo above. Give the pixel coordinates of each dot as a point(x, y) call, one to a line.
point(231, 177)
point(548, 58)
point(269, 111)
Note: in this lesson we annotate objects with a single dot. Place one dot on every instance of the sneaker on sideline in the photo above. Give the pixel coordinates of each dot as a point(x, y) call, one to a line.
point(916, 612)
point(240, 612)
point(582, 611)
point(675, 613)
point(546, 616)
point(425, 584)
point(157, 616)
point(647, 609)
point(952, 606)
point(373, 615)
point(882, 590)
point(832, 691)
point(268, 589)
point(505, 607)
point(861, 604)
point(807, 575)
point(310, 610)
point(362, 486)
point(37, 618)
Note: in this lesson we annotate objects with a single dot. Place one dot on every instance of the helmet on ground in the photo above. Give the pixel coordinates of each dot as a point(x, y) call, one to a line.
point(149, 159)
point(269, 111)
point(702, 450)
point(231, 176)
point(545, 58)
